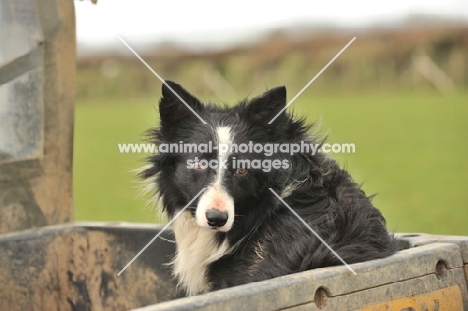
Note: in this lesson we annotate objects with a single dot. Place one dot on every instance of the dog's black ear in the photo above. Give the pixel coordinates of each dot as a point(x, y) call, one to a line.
point(172, 106)
point(262, 109)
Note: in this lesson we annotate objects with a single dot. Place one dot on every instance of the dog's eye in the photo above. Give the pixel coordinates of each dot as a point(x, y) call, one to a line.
point(241, 171)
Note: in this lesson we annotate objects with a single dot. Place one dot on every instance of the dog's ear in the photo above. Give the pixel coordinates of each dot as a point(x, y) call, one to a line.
point(172, 106)
point(262, 109)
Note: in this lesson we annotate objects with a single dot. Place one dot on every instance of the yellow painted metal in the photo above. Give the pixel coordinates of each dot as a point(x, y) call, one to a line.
point(449, 299)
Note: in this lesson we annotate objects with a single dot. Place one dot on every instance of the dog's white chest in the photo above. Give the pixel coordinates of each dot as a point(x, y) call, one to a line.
point(196, 249)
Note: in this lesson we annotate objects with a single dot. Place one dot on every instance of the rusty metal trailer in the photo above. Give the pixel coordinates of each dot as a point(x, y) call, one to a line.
point(47, 263)
point(75, 266)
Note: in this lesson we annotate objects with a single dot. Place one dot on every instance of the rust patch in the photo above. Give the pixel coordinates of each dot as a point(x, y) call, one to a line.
point(76, 269)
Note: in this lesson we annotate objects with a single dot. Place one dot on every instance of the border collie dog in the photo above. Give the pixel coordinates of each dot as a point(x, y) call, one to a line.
point(237, 231)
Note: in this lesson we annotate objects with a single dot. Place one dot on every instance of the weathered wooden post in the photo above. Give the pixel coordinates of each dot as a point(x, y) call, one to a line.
point(37, 77)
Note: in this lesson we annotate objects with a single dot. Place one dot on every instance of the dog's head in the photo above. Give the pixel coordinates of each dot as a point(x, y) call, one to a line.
point(197, 150)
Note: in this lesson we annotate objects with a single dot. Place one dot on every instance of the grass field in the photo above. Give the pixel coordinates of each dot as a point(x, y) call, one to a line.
point(410, 149)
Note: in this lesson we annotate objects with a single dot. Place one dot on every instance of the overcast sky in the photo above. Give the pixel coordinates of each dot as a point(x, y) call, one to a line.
point(209, 21)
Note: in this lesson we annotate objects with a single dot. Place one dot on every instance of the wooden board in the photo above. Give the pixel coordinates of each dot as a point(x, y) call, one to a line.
point(37, 76)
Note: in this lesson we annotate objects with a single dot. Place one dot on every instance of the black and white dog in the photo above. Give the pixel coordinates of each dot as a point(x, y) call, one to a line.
point(237, 231)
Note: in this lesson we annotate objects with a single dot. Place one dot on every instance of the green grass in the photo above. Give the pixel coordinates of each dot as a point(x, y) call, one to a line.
point(105, 187)
point(410, 149)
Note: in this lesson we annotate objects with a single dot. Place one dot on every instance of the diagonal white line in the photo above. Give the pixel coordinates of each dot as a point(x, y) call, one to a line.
point(313, 231)
point(160, 232)
point(313, 79)
point(159, 77)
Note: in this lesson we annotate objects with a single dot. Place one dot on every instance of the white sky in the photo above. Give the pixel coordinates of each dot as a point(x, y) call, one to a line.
point(208, 21)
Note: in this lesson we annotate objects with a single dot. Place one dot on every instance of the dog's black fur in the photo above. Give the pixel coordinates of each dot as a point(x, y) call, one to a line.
point(266, 239)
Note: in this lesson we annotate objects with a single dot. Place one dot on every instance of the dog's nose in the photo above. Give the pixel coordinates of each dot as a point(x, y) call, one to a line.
point(216, 218)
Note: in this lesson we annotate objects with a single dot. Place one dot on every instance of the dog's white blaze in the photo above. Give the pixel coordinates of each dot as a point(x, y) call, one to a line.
point(196, 249)
point(215, 195)
point(223, 134)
